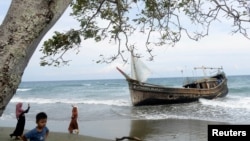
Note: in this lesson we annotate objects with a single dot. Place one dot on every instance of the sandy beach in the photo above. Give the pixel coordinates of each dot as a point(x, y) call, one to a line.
point(147, 130)
point(53, 136)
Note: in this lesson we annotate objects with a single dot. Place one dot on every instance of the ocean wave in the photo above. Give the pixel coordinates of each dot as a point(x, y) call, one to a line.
point(120, 102)
point(88, 84)
point(116, 102)
point(229, 102)
point(163, 116)
point(167, 116)
point(23, 90)
point(6, 117)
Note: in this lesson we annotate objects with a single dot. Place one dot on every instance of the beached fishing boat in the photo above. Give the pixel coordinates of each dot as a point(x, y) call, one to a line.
point(142, 93)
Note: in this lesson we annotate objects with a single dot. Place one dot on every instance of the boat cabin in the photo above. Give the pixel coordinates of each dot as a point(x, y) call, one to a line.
point(205, 83)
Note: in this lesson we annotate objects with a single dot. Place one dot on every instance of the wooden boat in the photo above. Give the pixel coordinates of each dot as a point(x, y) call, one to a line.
point(150, 94)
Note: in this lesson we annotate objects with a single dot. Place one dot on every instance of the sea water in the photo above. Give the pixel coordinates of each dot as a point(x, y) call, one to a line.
point(100, 100)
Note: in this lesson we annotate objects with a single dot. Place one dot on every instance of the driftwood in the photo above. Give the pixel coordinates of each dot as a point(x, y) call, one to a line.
point(129, 138)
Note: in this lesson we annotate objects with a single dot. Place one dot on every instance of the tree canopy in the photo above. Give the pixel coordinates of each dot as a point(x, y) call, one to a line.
point(163, 21)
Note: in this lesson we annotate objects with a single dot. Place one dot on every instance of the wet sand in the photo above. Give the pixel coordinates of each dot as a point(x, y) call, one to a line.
point(53, 136)
point(147, 130)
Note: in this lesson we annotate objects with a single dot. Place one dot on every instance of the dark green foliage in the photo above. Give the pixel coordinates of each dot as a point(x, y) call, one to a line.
point(167, 20)
point(58, 45)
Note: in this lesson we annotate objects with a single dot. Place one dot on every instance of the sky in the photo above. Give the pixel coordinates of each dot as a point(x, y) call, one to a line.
point(219, 49)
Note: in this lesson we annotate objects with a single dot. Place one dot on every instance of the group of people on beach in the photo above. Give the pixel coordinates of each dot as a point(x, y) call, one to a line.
point(41, 131)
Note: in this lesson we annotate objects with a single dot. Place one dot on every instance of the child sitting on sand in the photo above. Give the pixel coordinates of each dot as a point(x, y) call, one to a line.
point(39, 133)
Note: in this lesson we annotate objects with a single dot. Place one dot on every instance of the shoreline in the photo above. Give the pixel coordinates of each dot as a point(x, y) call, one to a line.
point(53, 136)
point(147, 130)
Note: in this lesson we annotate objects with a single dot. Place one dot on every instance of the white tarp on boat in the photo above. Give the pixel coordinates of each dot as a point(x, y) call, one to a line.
point(139, 71)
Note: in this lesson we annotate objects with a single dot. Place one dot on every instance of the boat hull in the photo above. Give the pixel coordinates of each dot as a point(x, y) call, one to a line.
point(151, 94)
point(146, 94)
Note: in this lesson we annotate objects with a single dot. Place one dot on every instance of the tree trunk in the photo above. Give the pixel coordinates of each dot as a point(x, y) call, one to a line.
point(25, 24)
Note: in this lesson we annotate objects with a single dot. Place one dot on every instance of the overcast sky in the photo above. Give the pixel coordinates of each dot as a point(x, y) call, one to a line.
point(220, 48)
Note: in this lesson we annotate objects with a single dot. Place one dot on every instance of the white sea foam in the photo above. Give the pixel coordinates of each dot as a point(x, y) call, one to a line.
point(169, 116)
point(115, 102)
point(23, 90)
point(231, 102)
point(6, 117)
point(86, 85)
point(119, 102)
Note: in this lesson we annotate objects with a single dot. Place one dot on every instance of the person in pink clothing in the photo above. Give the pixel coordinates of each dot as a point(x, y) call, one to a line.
point(20, 120)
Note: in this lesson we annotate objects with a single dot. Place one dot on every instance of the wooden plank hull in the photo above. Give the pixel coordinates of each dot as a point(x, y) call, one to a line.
point(147, 94)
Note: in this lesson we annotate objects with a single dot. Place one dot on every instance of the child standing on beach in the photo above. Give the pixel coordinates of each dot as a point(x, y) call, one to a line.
point(73, 126)
point(39, 133)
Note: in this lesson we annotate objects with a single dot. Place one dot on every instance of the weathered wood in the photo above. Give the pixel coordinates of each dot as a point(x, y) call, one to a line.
point(151, 94)
point(25, 24)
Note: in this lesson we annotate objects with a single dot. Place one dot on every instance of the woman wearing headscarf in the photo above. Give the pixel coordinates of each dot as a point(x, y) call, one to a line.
point(20, 120)
point(73, 126)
